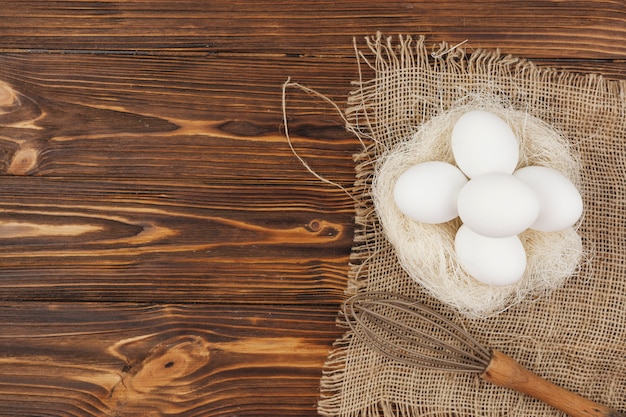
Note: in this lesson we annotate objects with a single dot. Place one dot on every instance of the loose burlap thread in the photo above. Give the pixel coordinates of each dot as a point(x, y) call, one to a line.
point(574, 336)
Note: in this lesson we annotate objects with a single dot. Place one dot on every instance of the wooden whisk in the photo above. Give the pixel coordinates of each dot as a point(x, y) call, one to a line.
point(379, 319)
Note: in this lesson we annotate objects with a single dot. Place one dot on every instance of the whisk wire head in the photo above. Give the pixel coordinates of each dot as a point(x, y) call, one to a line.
point(412, 333)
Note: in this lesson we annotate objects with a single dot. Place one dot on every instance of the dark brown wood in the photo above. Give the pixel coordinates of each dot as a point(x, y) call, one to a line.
point(573, 29)
point(165, 240)
point(138, 360)
point(162, 251)
point(83, 115)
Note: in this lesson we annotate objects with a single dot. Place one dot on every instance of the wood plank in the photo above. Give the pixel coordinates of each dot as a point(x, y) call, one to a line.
point(172, 241)
point(121, 359)
point(574, 29)
point(118, 117)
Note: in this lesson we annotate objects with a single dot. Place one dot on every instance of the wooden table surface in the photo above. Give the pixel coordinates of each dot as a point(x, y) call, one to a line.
point(162, 250)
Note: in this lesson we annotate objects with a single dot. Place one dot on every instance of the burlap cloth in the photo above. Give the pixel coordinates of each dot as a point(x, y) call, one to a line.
point(574, 336)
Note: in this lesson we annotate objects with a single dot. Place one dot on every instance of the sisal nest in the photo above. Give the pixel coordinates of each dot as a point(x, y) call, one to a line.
point(426, 251)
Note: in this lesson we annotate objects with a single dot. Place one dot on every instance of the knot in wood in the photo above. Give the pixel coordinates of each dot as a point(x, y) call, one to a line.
point(24, 161)
point(170, 363)
point(8, 98)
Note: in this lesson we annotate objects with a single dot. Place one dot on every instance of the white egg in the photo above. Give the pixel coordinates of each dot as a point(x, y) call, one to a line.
point(482, 143)
point(493, 261)
point(498, 205)
point(428, 192)
point(560, 202)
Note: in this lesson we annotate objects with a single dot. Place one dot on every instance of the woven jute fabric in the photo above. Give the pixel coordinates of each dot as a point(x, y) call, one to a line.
point(575, 336)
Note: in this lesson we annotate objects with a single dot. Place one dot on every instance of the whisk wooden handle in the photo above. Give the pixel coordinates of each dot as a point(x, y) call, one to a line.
point(506, 372)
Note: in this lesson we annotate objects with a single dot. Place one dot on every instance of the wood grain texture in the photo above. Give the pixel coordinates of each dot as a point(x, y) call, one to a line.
point(172, 241)
point(162, 251)
point(119, 116)
point(572, 29)
point(144, 360)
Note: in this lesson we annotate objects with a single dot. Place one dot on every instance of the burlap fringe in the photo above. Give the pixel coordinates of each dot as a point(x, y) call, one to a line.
point(407, 54)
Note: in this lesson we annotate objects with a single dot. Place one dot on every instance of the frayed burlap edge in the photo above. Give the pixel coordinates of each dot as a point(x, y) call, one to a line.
point(399, 56)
